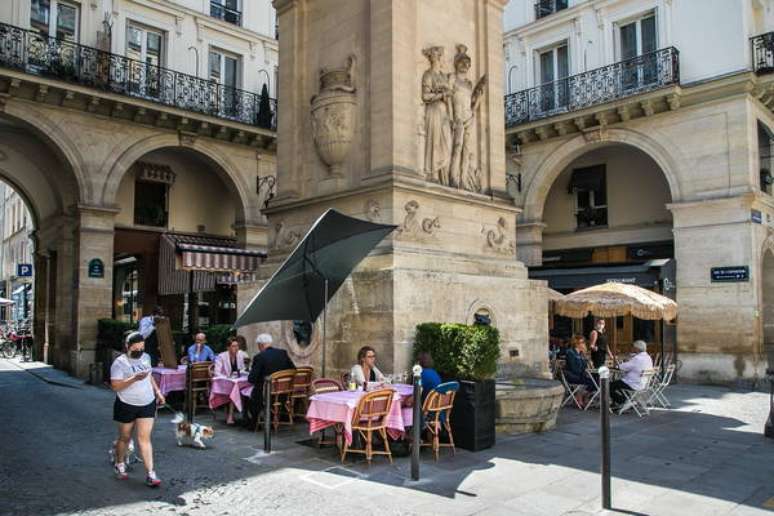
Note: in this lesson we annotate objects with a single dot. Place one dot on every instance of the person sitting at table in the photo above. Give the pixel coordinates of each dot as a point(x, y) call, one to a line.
point(269, 360)
point(430, 378)
point(576, 366)
point(229, 364)
point(632, 371)
point(365, 370)
point(199, 351)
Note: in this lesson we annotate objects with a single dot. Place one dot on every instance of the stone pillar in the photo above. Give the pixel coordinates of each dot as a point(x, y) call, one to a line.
point(529, 243)
point(42, 315)
point(252, 236)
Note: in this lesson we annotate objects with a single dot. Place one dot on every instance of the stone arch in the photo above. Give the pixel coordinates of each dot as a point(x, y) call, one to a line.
point(25, 195)
point(558, 160)
point(114, 171)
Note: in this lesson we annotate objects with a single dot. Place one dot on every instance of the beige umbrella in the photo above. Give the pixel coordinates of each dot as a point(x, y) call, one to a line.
point(553, 295)
point(615, 300)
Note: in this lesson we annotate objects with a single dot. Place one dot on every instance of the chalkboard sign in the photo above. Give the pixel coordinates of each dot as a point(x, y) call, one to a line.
point(730, 274)
point(96, 268)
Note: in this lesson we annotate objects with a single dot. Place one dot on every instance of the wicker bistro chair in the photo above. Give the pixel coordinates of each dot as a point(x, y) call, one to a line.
point(302, 382)
point(371, 416)
point(200, 380)
point(436, 415)
point(282, 397)
point(320, 386)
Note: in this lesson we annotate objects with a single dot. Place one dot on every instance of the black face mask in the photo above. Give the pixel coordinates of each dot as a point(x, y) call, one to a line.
point(136, 354)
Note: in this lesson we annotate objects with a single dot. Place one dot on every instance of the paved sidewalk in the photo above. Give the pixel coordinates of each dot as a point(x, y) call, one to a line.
point(707, 456)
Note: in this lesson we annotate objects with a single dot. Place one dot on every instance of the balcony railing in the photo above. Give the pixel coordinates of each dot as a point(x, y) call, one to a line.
point(545, 8)
point(218, 10)
point(616, 81)
point(763, 53)
point(36, 54)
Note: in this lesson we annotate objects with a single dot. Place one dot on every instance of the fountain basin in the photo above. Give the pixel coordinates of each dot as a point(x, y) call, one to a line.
point(527, 405)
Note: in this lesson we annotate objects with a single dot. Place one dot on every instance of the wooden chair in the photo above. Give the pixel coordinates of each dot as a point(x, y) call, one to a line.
point(201, 382)
point(371, 416)
point(301, 385)
point(436, 414)
point(320, 386)
point(282, 396)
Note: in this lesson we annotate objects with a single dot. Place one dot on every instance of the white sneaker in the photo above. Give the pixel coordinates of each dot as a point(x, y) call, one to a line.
point(120, 471)
point(152, 480)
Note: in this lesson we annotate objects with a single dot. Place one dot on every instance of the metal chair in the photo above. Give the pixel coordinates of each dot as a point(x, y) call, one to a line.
point(200, 380)
point(659, 385)
point(302, 381)
point(638, 400)
point(436, 414)
point(596, 395)
point(570, 389)
point(282, 396)
point(371, 416)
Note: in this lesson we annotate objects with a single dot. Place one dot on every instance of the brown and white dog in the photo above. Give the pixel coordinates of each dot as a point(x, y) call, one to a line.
point(192, 433)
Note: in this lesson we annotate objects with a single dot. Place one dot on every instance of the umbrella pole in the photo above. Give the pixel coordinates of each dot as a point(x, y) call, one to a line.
point(325, 317)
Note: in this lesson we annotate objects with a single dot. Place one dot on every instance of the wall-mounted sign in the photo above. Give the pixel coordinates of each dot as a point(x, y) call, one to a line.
point(96, 268)
point(730, 274)
point(24, 270)
point(756, 216)
point(629, 281)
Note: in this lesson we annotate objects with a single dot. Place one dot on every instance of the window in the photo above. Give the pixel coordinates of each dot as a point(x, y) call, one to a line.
point(765, 157)
point(145, 47)
point(547, 7)
point(55, 18)
point(590, 190)
point(638, 42)
point(226, 10)
point(224, 70)
point(554, 69)
point(150, 203)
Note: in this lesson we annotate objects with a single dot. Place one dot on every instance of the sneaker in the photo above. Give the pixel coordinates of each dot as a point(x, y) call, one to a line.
point(120, 471)
point(151, 480)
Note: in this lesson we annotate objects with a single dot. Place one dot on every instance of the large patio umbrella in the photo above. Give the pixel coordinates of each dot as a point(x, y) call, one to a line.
point(553, 295)
point(301, 288)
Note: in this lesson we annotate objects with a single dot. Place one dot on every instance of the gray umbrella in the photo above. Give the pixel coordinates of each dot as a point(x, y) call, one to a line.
point(301, 288)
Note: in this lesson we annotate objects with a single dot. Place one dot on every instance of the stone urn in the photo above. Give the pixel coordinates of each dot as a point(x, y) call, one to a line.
point(333, 116)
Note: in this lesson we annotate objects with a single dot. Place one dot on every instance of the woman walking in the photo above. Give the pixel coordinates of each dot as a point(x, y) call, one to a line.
point(135, 405)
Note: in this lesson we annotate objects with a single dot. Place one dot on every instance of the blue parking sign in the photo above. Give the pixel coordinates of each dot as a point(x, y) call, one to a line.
point(23, 269)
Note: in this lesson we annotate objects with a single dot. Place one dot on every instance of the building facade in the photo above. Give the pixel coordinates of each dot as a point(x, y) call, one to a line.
point(141, 135)
point(640, 151)
point(16, 254)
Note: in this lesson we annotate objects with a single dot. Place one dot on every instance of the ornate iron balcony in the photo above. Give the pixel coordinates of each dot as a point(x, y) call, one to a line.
point(218, 10)
point(36, 54)
point(619, 80)
point(544, 8)
point(763, 53)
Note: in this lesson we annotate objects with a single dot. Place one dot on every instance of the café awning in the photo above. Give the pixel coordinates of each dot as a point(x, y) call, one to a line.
point(212, 258)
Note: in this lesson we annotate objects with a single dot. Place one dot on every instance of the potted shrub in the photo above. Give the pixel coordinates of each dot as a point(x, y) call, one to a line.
point(469, 355)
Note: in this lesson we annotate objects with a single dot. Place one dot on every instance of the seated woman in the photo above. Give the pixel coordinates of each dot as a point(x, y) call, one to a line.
point(576, 364)
point(365, 370)
point(229, 364)
point(430, 377)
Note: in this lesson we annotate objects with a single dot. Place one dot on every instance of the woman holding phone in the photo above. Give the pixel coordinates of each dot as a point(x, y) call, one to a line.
point(135, 407)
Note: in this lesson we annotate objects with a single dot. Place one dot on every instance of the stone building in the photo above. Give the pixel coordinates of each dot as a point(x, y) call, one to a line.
point(138, 132)
point(16, 251)
point(639, 138)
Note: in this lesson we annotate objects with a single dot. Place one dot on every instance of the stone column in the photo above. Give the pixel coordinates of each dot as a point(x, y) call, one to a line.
point(529, 243)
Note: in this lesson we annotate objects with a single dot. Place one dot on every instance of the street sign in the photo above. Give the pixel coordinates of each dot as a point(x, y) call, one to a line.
point(730, 274)
point(24, 270)
point(96, 268)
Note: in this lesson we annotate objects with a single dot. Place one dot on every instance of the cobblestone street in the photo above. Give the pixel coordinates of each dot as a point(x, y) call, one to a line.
point(708, 456)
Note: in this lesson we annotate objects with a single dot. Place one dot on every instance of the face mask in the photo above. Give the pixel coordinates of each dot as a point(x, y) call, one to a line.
point(136, 354)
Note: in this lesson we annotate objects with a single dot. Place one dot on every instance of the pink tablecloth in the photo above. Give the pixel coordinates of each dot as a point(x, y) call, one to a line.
point(333, 408)
point(225, 389)
point(168, 379)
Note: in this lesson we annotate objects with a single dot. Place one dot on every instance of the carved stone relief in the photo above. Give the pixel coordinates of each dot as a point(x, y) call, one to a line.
point(373, 210)
point(414, 227)
point(498, 238)
point(283, 237)
point(333, 115)
point(451, 102)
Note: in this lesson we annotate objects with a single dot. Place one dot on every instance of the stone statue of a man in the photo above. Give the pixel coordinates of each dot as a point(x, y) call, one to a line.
point(465, 99)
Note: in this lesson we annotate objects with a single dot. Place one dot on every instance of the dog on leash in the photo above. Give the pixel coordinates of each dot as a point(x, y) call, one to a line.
point(191, 433)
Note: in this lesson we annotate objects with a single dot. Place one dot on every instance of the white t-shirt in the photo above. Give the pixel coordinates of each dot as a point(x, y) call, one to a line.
point(140, 393)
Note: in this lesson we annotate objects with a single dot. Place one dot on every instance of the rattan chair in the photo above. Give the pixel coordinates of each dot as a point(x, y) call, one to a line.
point(321, 386)
point(301, 385)
point(201, 382)
point(282, 397)
point(371, 416)
point(436, 414)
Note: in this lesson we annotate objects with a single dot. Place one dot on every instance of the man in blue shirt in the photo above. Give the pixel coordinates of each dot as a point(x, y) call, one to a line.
point(199, 351)
point(430, 377)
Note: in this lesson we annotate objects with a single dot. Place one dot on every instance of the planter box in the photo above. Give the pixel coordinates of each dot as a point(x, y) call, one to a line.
point(473, 415)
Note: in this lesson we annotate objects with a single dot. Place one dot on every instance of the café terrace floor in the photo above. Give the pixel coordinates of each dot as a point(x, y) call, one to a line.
point(705, 456)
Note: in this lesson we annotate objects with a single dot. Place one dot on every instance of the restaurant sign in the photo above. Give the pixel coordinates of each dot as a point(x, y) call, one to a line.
point(730, 274)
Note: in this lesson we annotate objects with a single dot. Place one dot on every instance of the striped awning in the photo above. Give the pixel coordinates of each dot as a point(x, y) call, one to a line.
point(217, 259)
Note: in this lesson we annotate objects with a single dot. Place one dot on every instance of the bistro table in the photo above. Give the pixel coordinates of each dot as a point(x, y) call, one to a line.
point(169, 379)
point(337, 408)
point(225, 389)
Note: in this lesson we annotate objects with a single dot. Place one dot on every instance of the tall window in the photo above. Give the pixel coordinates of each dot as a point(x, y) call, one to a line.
point(546, 7)
point(226, 10)
point(145, 47)
point(150, 203)
point(589, 187)
point(55, 18)
point(638, 42)
point(224, 70)
point(554, 69)
point(765, 157)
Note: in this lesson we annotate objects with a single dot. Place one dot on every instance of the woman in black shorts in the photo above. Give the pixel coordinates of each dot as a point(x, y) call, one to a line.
point(135, 407)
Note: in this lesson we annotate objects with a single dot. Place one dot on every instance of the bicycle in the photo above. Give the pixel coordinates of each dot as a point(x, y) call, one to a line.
point(7, 348)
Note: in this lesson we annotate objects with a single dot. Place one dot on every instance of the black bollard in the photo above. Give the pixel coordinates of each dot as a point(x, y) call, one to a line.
point(416, 425)
point(189, 393)
point(604, 409)
point(267, 415)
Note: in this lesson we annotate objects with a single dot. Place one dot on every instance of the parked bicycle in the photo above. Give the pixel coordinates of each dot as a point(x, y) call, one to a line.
point(16, 340)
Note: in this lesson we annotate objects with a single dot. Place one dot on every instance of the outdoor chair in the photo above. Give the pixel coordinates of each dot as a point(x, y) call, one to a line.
point(436, 415)
point(596, 395)
point(570, 389)
point(281, 397)
point(371, 416)
point(659, 385)
point(638, 400)
point(345, 379)
point(302, 381)
point(201, 381)
point(320, 386)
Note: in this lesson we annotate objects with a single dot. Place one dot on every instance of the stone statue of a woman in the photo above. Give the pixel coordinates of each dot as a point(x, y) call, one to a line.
point(436, 96)
point(465, 100)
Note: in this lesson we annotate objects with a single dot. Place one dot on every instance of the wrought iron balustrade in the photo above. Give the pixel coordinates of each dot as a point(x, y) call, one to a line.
point(220, 11)
point(763, 53)
point(545, 8)
point(36, 54)
point(619, 80)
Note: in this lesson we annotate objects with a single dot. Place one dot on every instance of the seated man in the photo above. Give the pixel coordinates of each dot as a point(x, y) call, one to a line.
point(199, 351)
point(269, 360)
point(632, 371)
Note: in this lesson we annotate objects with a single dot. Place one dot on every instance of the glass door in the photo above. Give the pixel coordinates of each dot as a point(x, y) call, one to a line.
point(224, 70)
point(554, 69)
point(144, 48)
point(638, 52)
